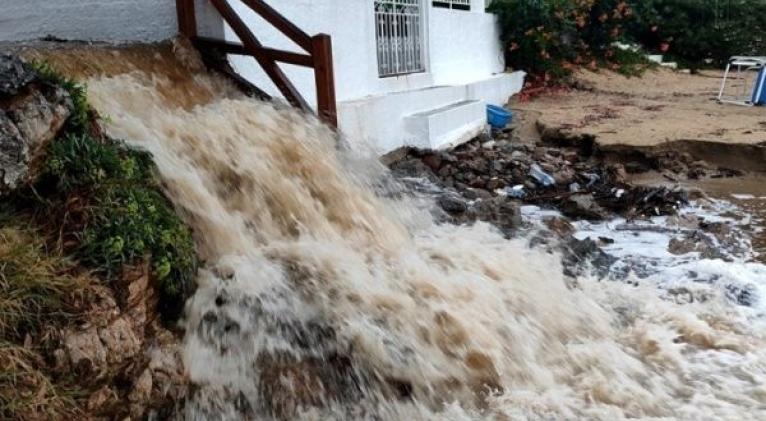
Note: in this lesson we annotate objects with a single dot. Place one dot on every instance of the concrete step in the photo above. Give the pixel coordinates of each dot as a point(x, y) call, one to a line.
point(448, 125)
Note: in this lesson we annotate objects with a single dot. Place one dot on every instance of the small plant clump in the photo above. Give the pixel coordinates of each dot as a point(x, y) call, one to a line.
point(37, 290)
point(121, 214)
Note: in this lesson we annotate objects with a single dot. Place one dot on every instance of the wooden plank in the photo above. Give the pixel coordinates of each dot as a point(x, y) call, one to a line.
point(325, 79)
point(236, 48)
point(187, 20)
point(217, 60)
point(280, 22)
point(254, 47)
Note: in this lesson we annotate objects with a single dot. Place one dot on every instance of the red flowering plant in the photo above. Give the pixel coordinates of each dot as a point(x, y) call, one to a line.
point(549, 38)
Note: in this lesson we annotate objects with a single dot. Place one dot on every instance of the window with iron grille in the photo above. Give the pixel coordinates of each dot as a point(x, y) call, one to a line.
point(453, 4)
point(399, 33)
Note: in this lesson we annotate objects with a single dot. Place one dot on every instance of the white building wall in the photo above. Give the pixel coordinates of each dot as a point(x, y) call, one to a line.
point(97, 20)
point(463, 55)
point(462, 47)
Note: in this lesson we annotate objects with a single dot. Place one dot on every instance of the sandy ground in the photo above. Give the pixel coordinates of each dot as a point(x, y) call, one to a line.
point(658, 107)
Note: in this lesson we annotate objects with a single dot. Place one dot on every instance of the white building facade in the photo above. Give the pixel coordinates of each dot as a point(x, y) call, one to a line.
point(407, 72)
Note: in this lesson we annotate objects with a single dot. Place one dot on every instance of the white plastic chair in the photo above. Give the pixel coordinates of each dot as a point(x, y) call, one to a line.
point(744, 64)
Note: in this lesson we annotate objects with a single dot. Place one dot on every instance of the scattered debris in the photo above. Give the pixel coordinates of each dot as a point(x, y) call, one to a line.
point(562, 178)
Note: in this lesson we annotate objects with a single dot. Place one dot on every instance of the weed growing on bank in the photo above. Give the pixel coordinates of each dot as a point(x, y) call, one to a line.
point(101, 201)
point(37, 292)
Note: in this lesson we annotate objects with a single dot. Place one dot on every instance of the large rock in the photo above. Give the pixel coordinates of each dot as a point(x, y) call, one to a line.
point(14, 76)
point(31, 115)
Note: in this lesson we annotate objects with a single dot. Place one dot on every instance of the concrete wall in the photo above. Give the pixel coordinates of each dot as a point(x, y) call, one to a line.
point(381, 121)
point(97, 20)
point(462, 46)
point(108, 20)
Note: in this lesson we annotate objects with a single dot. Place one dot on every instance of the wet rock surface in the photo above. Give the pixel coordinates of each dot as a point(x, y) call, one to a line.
point(31, 114)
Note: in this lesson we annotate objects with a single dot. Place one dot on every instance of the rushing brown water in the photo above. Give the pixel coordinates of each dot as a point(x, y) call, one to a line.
point(320, 299)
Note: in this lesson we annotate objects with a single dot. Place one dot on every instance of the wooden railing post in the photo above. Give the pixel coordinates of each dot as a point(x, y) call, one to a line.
point(321, 51)
point(187, 20)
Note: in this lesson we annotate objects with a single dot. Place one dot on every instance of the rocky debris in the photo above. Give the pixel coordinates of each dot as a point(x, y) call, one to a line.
point(583, 206)
point(712, 240)
point(578, 254)
point(31, 115)
point(499, 211)
point(14, 76)
point(560, 226)
point(122, 351)
point(744, 295)
point(578, 184)
point(696, 241)
point(674, 165)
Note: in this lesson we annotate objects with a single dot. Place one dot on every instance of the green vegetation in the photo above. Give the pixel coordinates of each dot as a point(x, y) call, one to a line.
point(36, 294)
point(121, 214)
point(700, 32)
point(96, 208)
point(102, 202)
point(548, 38)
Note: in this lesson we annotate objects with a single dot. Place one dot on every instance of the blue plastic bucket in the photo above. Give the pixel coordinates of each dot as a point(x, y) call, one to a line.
point(498, 117)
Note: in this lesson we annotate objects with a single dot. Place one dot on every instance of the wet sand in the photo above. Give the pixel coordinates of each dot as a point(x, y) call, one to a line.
point(661, 106)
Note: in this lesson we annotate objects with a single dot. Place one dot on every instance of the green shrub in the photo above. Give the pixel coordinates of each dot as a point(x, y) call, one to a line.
point(547, 38)
point(699, 32)
point(123, 215)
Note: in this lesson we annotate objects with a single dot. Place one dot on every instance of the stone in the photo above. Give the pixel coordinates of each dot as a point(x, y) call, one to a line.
point(578, 253)
point(142, 387)
point(13, 155)
point(14, 76)
point(519, 156)
point(696, 241)
point(433, 161)
point(474, 194)
point(583, 205)
point(565, 176)
point(560, 226)
point(500, 211)
point(452, 204)
point(119, 341)
point(31, 115)
point(85, 350)
point(746, 295)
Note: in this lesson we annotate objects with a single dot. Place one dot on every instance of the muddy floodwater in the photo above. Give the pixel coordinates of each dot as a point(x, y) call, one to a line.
point(749, 194)
point(325, 294)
